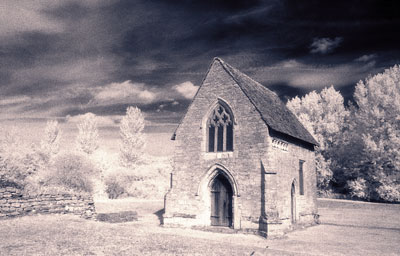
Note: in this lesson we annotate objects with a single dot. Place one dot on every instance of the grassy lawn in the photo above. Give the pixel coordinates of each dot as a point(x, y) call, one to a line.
point(348, 228)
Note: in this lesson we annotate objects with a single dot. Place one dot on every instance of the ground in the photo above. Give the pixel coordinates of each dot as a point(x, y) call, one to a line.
point(347, 228)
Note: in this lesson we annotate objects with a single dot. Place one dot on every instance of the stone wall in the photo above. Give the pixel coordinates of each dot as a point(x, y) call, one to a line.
point(185, 203)
point(14, 203)
point(261, 168)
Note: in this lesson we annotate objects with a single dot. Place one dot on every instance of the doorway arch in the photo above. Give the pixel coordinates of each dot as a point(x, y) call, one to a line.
point(204, 191)
point(221, 201)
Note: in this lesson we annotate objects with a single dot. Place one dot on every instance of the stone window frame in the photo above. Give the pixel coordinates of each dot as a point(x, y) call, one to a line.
point(204, 127)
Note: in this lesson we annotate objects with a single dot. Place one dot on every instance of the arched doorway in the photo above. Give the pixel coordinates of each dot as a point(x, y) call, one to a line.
point(293, 203)
point(221, 201)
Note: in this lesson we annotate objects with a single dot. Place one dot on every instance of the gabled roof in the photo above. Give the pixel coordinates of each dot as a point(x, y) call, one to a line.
point(272, 110)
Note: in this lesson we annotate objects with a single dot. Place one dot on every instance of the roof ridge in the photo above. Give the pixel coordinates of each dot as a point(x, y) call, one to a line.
point(247, 76)
point(224, 65)
point(191, 102)
point(228, 68)
point(259, 95)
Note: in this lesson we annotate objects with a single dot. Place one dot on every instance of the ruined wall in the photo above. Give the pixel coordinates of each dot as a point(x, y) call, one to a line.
point(14, 203)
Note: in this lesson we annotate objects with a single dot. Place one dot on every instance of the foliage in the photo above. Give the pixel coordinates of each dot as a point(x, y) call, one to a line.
point(371, 142)
point(389, 192)
point(72, 171)
point(323, 115)
point(359, 188)
point(18, 160)
point(50, 143)
point(115, 186)
point(148, 180)
point(88, 136)
point(132, 137)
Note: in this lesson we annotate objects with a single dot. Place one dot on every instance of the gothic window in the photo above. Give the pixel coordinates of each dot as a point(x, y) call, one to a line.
point(220, 130)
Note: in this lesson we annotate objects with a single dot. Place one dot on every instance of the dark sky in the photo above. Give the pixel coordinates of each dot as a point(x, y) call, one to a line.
point(60, 58)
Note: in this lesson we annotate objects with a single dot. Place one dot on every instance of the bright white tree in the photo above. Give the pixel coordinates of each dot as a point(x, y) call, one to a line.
point(50, 143)
point(323, 115)
point(132, 137)
point(376, 127)
point(88, 136)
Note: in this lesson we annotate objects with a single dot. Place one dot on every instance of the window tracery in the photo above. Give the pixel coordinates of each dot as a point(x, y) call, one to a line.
point(220, 130)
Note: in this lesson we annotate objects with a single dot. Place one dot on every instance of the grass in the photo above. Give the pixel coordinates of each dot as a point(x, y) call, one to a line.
point(348, 228)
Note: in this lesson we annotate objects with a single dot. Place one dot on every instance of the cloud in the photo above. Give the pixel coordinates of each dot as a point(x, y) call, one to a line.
point(186, 89)
point(14, 100)
point(310, 76)
point(366, 58)
point(125, 92)
point(26, 15)
point(325, 45)
point(102, 121)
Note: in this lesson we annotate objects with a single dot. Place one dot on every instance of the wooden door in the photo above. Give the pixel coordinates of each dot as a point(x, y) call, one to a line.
point(221, 202)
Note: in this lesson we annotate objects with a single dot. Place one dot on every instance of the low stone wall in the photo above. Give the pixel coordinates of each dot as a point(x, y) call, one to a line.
point(14, 203)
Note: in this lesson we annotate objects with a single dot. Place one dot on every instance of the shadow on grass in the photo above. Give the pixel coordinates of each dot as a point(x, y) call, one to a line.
point(359, 226)
point(160, 214)
point(118, 217)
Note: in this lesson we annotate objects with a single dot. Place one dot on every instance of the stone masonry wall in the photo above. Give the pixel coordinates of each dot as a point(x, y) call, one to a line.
point(14, 203)
point(263, 173)
point(191, 161)
point(283, 170)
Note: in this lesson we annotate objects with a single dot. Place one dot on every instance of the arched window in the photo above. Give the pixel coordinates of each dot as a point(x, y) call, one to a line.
point(220, 130)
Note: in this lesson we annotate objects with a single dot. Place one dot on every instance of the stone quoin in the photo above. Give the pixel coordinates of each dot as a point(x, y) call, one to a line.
point(241, 160)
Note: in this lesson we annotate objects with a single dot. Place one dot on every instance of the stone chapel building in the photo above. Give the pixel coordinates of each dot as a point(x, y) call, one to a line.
point(241, 160)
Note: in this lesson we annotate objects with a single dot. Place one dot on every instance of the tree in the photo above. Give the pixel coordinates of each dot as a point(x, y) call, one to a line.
point(375, 127)
point(132, 137)
point(88, 136)
point(323, 115)
point(50, 143)
point(18, 159)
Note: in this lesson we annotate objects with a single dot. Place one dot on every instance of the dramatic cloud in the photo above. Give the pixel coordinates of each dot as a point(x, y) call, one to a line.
point(366, 58)
point(25, 15)
point(310, 76)
point(125, 92)
point(76, 56)
point(186, 89)
point(325, 45)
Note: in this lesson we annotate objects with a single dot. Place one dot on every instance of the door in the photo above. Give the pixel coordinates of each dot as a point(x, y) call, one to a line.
point(221, 202)
point(293, 203)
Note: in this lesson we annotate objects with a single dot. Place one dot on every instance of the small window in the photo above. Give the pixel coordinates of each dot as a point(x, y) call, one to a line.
point(301, 177)
point(220, 130)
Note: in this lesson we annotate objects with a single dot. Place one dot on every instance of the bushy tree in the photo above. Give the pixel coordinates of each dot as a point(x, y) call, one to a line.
point(18, 159)
point(88, 136)
point(132, 137)
point(374, 131)
point(323, 115)
point(50, 143)
point(71, 171)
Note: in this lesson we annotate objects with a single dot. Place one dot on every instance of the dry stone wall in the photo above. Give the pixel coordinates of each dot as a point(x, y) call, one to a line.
point(14, 203)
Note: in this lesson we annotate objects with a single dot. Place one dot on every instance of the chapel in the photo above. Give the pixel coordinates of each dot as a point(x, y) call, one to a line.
point(241, 160)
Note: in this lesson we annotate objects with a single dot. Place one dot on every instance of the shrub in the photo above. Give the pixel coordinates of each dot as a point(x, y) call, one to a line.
point(114, 188)
point(389, 192)
point(18, 160)
point(73, 171)
point(359, 188)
